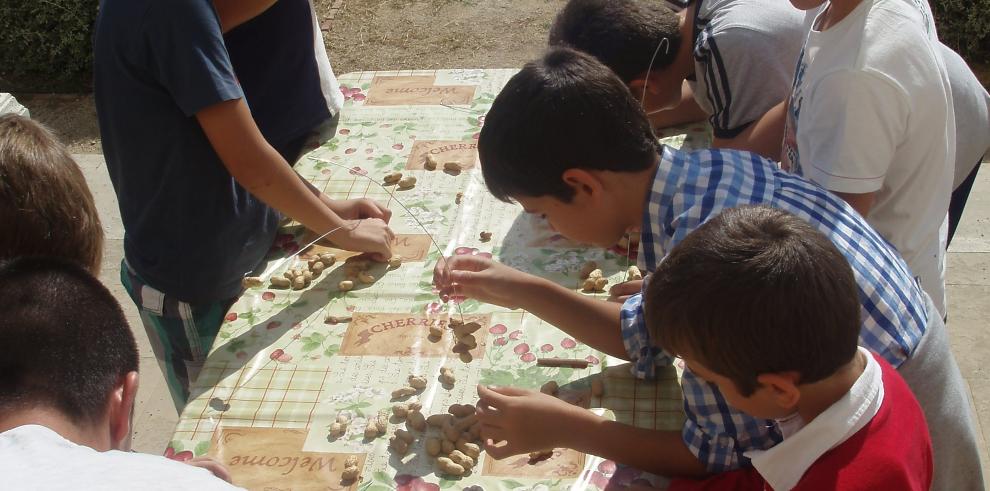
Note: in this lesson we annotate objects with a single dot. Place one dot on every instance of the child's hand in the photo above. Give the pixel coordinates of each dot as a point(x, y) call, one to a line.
point(354, 209)
point(215, 468)
point(526, 420)
point(622, 291)
point(480, 278)
point(370, 235)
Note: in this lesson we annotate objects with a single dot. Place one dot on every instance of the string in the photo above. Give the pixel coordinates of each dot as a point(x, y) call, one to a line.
point(664, 43)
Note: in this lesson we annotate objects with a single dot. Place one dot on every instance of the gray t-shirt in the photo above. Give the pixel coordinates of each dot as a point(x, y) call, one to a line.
point(972, 107)
point(744, 55)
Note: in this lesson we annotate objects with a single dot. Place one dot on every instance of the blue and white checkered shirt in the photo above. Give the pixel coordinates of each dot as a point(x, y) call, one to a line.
point(691, 187)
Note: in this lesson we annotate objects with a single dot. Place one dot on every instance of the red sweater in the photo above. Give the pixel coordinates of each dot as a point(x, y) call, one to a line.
point(892, 452)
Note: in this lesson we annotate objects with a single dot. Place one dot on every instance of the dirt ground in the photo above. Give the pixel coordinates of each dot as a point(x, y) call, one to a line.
point(371, 35)
point(377, 35)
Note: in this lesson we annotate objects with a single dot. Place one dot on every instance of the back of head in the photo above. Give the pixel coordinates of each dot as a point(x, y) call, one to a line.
point(45, 205)
point(564, 110)
point(64, 342)
point(756, 290)
point(622, 34)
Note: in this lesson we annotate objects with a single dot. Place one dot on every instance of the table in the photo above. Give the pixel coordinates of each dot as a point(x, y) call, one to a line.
point(280, 372)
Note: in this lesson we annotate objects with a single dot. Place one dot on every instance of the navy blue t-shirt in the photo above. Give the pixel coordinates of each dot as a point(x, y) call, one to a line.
point(190, 230)
point(275, 60)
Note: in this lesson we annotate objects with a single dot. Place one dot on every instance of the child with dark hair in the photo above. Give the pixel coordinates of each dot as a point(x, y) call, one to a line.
point(595, 171)
point(731, 61)
point(45, 205)
point(68, 378)
point(781, 345)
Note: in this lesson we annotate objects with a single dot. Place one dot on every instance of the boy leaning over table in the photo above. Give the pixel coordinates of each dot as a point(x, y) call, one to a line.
point(200, 190)
point(68, 379)
point(566, 140)
point(782, 346)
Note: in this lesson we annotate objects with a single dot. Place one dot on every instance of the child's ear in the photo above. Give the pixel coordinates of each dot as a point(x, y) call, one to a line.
point(586, 184)
point(783, 388)
point(121, 411)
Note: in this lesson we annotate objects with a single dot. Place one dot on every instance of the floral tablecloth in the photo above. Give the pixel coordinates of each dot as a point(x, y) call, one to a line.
point(288, 362)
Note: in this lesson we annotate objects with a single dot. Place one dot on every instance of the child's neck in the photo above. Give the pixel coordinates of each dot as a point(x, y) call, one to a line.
point(835, 12)
point(819, 396)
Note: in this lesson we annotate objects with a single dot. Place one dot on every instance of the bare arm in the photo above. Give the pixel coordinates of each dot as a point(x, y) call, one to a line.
point(256, 166)
point(236, 12)
point(764, 136)
point(527, 421)
point(686, 111)
point(592, 321)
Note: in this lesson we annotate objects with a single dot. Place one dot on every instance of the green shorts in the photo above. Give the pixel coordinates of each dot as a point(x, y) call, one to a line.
point(180, 333)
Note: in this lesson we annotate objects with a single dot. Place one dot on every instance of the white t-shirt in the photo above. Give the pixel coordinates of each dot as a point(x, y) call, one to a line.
point(35, 457)
point(871, 111)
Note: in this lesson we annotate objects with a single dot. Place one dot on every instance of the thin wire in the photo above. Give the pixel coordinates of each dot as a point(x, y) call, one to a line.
point(411, 215)
point(266, 275)
point(663, 42)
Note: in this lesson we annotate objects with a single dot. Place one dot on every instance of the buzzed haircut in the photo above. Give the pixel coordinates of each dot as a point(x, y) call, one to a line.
point(46, 207)
point(64, 341)
point(565, 110)
point(622, 34)
point(756, 290)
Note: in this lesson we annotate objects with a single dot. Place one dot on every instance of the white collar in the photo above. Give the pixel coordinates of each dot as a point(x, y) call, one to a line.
point(783, 465)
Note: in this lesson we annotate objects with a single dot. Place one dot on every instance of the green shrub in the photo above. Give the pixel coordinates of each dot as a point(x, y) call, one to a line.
point(46, 45)
point(964, 25)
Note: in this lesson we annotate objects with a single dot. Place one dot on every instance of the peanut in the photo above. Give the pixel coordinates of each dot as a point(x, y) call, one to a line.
point(400, 411)
point(587, 269)
point(450, 432)
point(337, 430)
point(447, 376)
point(433, 446)
point(417, 382)
point(541, 454)
point(472, 450)
point(350, 474)
point(407, 182)
point(452, 166)
point(345, 285)
point(392, 177)
point(448, 467)
point(485, 236)
point(298, 283)
point(317, 268)
point(416, 420)
point(400, 446)
point(403, 392)
point(447, 446)
point(461, 459)
point(251, 282)
point(327, 259)
point(461, 410)
point(461, 330)
point(438, 420)
point(596, 273)
point(465, 356)
point(458, 198)
point(430, 163)
point(343, 418)
point(415, 405)
point(466, 422)
point(351, 461)
point(436, 331)
point(279, 282)
point(405, 435)
point(395, 261)
point(634, 273)
point(468, 341)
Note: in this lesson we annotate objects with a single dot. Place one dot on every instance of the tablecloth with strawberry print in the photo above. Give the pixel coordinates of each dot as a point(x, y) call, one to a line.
point(287, 363)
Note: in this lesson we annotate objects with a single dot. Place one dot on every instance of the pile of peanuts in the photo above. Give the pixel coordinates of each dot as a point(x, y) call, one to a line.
point(594, 279)
point(452, 166)
point(403, 183)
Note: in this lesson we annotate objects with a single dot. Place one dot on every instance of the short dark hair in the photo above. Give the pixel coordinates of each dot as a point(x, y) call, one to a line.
point(46, 207)
point(64, 342)
point(756, 290)
point(622, 34)
point(565, 110)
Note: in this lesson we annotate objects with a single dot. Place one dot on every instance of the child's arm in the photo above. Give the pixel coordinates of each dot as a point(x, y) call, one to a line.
point(686, 111)
point(528, 421)
point(765, 136)
point(257, 167)
point(233, 13)
point(592, 321)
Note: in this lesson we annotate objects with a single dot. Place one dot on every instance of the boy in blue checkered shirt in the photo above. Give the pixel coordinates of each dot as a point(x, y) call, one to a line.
point(566, 140)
